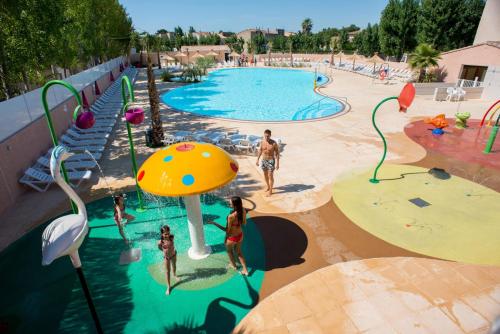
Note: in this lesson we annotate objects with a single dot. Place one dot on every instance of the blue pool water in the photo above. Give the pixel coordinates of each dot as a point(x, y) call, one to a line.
point(256, 94)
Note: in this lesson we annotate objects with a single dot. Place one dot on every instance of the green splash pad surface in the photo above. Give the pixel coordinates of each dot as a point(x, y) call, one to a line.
point(208, 298)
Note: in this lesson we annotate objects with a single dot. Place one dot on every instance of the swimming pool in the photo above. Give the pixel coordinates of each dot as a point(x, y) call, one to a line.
point(255, 94)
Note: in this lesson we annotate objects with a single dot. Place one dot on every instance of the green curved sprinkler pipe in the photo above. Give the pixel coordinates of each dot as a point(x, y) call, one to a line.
point(374, 178)
point(127, 86)
point(493, 135)
point(51, 125)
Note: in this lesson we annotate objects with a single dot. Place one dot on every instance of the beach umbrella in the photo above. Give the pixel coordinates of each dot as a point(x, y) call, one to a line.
point(234, 54)
point(353, 57)
point(212, 54)
point(198, 55)
point(168, 58)
point(376, 59)
point(180, 55)
point(340, 54)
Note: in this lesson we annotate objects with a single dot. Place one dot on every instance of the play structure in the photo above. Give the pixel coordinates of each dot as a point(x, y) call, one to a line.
point(493, 135)
point(133, 115)
point(65, 235)
point(439, 122)
point(461, 119)
point(488, 111)
point(404, 99)
point(188, 170)
point(84, 120)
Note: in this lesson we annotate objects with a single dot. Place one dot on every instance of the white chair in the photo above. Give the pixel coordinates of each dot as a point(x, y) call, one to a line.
point(226, 144)
point(41, 181)
point(245, 146)
point(460, 93)
point(169, 140)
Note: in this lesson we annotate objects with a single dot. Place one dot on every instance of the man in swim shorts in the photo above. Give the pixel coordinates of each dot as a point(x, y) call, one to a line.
point(269, 150)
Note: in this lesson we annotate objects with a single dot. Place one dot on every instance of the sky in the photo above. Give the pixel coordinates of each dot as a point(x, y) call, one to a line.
point(233, 15)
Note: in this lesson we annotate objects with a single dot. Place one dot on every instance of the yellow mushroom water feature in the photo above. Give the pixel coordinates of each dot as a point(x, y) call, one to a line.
point(188, 170)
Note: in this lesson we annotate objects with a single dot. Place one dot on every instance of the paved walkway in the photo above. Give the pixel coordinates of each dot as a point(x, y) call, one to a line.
point(387, 295)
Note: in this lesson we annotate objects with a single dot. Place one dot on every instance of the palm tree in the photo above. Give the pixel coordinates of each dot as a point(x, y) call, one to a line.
point(307, 25)
point(154, 102)
point(422, 58)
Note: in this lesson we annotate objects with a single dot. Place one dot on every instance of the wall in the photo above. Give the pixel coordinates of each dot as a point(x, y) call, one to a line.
point(480, 55)
point(22, 149)
point(489, 26)
point(492, 84)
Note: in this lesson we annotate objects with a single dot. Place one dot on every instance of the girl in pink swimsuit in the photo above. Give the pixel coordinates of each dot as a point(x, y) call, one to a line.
point(166, 245)
point(234, 233)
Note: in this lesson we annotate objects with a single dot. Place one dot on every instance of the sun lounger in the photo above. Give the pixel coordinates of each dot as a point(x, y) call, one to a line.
point(41, 181)
point(70, 165)
point(245, 145)
point(78, 142)
point(226, 144)
point(79, 136)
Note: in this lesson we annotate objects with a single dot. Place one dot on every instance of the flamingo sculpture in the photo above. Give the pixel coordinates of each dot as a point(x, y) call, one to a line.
point(65, 234)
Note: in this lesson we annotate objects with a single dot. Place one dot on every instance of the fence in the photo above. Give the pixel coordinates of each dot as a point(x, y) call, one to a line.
point(20, 111)
point(469, 83)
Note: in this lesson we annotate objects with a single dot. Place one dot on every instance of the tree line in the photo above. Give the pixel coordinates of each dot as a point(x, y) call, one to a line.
point(36, 36)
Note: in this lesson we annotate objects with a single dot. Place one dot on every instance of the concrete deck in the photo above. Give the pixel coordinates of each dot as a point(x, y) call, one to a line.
point(301, 217)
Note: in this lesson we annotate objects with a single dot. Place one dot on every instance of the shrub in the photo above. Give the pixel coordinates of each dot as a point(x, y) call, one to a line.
point(166, 76)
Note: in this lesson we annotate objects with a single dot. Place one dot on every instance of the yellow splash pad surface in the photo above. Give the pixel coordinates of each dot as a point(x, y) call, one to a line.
point(457, 219)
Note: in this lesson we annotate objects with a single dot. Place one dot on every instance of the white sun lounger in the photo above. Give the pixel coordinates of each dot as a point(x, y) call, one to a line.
point(41, 181)
point(226, 144)
point(78, 142)
point(79, 136)
point(70, 165)
point(245, 145)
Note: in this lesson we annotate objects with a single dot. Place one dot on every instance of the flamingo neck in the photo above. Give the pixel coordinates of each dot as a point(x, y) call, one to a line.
point(82, 211)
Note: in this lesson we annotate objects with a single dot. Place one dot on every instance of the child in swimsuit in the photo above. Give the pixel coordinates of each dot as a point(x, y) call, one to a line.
point(234, 233)
point(166, 245)
point(119, 214)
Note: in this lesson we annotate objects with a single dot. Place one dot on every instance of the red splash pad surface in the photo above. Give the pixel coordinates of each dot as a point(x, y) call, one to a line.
point(462, 144)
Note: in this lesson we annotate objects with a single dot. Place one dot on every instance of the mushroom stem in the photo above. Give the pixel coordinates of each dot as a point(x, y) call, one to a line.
point(198, 250)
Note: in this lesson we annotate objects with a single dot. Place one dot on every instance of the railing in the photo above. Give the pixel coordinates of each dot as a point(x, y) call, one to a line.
point(20, 111)
point(321, 108)
point(469, 83)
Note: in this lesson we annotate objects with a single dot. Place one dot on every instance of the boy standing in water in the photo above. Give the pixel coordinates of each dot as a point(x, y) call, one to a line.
point(120, 214)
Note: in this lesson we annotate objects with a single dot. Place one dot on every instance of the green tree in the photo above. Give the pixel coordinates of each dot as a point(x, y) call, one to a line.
point(204, 64)
point(307, 26)
point(460, 17)
point(259, 43)
point(343, 40)
point(423, 58)
point(398, 27)
point(235, 44)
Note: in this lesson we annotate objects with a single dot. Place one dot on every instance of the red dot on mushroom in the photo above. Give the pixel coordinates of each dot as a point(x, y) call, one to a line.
point(185, 147)
point(141, 175)
point(234, 167)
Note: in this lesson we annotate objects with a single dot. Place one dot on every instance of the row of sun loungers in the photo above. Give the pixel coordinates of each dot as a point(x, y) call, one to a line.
point(368, 70)
point(82, 142)
point(229, 141)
